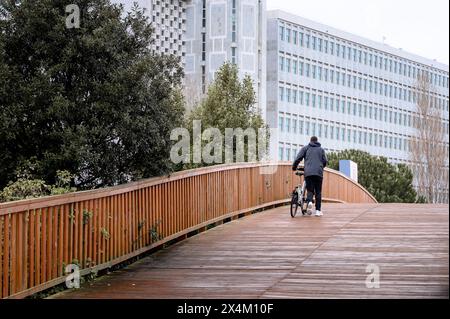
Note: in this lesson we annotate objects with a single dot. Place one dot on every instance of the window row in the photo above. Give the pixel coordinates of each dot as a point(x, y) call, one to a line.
point(340, 132)
point(345, 106)
point(291, 65)
point(360, 55)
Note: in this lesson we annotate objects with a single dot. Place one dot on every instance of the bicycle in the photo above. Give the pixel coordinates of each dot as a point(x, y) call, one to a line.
point(298, 196)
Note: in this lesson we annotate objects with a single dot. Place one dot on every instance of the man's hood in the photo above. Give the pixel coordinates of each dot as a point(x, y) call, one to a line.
point(314, 144)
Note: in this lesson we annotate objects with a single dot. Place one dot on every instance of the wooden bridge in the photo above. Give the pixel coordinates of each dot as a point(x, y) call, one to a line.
point(263, 255)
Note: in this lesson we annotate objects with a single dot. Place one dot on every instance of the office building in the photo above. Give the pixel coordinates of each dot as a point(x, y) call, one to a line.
point(224, 30)
point(353, 93)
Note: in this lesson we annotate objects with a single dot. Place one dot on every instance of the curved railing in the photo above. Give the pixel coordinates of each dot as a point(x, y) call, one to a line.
point(100, 228)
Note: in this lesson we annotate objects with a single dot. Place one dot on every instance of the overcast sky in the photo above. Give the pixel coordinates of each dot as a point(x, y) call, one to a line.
point(417, 26)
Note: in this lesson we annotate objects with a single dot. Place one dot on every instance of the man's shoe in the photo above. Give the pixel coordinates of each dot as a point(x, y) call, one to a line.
point(309, 208)
point(318, 213)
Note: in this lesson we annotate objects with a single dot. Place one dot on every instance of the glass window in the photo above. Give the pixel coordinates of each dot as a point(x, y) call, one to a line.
point(288, 35)
point(307, 67)
point(307, 98)
point(294, 126)
point(331, 104)
point(294, 66)
point(307, 40)
point(288, 125)
point(281, 63)
point(313, 100)
point(280, 153)
point(294, 96)
point(281, 33)
point(313, 71)
point(288, 95)
point(281, 123)
point(288, 65)
point(294, 37)
point(319, 73)
point(300, 38)
point(281, 93)
point(314, 43)
point(300, 68)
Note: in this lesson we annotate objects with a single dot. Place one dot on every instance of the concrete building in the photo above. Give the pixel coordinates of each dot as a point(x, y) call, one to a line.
point(224, 30)
point(168, 20)
point(349, 91)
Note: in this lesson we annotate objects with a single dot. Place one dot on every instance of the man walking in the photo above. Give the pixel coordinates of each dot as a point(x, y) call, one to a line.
point(315, 161)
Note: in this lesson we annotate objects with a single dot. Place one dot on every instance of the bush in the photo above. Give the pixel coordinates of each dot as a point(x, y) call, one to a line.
point(24, 187)
point(388, 183)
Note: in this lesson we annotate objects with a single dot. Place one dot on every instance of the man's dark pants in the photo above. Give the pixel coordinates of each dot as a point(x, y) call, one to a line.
point(314, 186)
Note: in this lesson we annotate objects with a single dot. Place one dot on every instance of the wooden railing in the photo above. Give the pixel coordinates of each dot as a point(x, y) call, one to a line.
point(100, 228)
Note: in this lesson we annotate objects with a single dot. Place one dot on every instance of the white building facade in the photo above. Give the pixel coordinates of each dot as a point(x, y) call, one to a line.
point(168, 20)
point(351, 92)
point(219, 31)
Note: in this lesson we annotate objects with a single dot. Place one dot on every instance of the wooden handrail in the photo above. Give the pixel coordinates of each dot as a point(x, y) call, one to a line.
point(99, 228)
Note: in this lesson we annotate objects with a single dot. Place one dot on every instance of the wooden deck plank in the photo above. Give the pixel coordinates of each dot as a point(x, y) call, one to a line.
point(271, 255)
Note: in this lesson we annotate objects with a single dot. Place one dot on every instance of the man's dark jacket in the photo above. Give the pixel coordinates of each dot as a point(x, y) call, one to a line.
point(315, 159)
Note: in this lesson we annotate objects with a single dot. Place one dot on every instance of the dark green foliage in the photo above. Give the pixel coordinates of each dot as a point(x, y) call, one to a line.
point(93, 101)
point(388, 183)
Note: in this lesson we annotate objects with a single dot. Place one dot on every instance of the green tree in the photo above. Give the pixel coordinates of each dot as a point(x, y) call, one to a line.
point(94, 100)
point(229, 103)
point(387, 182)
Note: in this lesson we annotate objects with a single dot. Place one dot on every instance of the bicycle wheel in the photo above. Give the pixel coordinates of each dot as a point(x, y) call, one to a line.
point(303, 205)
point(294, 204)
